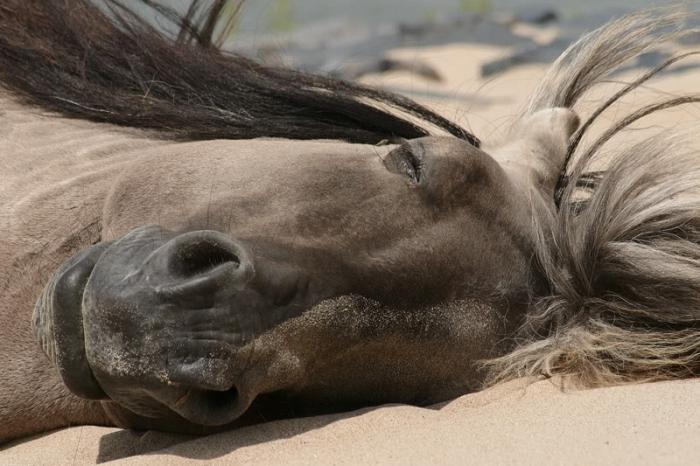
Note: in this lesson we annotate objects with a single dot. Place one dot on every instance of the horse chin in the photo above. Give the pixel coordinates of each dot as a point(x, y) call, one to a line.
point(155, 321)
point(263, 409)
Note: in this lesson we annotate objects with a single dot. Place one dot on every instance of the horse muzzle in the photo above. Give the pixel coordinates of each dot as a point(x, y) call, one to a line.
point(157, 321)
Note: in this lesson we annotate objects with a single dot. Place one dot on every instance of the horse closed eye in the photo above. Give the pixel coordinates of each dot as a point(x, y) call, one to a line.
point(404, 161)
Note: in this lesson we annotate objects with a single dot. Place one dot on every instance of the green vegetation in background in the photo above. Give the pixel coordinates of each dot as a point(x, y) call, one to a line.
point(430, 15)
point(475, 6)
point(281, 16)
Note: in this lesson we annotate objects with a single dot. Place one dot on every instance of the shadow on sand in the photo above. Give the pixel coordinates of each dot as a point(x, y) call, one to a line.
point(127, 443)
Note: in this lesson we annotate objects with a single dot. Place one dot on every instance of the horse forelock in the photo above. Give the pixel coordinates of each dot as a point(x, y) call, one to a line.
point(114, 66)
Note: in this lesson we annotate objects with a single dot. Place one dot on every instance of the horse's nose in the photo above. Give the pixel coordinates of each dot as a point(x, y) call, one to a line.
point(200, 265)
point(201, 270)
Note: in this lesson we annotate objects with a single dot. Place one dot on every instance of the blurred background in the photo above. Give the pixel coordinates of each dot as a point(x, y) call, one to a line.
point(268, 15)
point(475, 61)
point(348, 38)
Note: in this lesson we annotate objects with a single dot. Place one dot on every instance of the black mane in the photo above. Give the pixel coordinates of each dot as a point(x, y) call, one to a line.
point(111, 65)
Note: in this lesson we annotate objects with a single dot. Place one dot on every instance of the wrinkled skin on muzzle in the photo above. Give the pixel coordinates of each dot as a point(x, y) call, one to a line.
point(332, 277)
point(143, 290)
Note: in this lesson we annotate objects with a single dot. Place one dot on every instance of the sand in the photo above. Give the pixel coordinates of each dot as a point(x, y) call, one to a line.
point(514, 423)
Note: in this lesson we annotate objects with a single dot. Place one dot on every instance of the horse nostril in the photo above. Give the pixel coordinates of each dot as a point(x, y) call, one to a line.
point(200, 256)
point(199, 264)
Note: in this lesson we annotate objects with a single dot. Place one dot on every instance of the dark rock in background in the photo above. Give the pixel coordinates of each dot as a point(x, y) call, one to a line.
point(539, 16)
point(350, 50)
point(573, 29)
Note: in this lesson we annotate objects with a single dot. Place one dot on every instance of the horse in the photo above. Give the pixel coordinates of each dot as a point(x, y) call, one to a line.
point(192, 241)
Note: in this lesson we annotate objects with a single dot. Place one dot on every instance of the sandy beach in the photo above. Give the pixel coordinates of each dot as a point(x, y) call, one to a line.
point(514, 423)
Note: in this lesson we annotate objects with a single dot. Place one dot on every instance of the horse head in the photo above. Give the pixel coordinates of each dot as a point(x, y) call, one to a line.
point(229, 274)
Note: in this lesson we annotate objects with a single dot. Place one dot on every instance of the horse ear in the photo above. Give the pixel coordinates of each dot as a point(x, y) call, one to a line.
point(58, 323)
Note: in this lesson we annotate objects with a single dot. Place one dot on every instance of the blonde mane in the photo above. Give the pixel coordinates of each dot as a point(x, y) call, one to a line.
point(623, 264)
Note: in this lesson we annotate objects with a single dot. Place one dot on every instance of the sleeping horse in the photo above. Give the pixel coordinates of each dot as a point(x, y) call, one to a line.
point(191, 241)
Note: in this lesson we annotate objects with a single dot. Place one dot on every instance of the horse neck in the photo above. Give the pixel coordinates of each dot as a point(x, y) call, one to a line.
point(56, 174)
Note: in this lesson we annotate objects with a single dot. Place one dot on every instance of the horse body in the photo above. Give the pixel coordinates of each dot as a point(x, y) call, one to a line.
point(204, 283)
